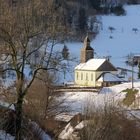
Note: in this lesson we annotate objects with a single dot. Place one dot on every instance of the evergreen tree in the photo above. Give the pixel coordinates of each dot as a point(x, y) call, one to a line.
point(65, 52)
point(132, 1)
point(95, 4)
point(82, 19)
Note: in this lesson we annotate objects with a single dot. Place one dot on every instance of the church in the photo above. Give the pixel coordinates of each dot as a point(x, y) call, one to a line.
point(94, 72)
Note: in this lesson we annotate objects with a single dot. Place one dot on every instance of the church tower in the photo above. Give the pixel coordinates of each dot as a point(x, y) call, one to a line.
point(87, 52)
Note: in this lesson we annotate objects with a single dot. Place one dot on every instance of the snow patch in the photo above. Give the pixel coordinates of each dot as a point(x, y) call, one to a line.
point(67, 132)
point(5, 136)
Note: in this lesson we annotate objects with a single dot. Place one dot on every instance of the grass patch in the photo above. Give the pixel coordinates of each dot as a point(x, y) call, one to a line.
point(130, 96)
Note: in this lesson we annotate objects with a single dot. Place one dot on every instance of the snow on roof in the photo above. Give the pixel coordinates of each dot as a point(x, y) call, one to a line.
point(80, 125)
point(109, 77)
point(92, 64)
point(64, 117)
point(67, 132)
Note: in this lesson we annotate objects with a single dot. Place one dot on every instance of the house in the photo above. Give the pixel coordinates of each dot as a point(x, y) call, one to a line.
point(109, 79)
point(94, 72)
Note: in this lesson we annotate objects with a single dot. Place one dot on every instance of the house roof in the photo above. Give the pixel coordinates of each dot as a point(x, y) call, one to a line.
point(109, 77)
point(88, 48)
point(107, 66)
point(96, 65)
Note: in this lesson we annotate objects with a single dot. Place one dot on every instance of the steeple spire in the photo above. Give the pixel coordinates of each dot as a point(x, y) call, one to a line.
point(87, 43)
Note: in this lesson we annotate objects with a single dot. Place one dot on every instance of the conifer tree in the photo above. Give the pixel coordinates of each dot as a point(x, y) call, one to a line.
point(65, 52)
point(82, 19)
point(95, 4)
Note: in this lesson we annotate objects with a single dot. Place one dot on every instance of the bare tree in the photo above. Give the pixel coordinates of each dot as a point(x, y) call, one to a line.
point(29, 30)
point(109, 123)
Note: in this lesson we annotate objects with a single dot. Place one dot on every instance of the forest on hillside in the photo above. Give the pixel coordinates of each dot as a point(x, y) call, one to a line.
point(79, 16)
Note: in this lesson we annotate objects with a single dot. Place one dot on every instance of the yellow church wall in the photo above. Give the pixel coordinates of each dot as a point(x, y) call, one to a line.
point(88, 78)
point(85, 78)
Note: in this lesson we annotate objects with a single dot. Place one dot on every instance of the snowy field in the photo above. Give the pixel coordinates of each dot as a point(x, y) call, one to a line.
point(5, 136)
point(78, 101)
point(123, 42)
point(107, 96)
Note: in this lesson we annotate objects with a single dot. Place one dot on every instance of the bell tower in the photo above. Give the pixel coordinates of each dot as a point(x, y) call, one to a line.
point(87, 52)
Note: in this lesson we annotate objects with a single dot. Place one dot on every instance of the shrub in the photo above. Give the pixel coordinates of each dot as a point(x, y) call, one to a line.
point(130, 96)
point(110, 124)
point(132, 2)
point(118, 10)
point(7, 124)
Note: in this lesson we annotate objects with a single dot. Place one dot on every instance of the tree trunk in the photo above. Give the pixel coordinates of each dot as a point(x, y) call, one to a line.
point(18, 124)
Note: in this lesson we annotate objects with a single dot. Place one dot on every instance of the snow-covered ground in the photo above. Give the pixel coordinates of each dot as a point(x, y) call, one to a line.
point(124, 41)
point(67, 133)
point(78, 101)
point(6, 105)
point(5, 136)
point(43, 135)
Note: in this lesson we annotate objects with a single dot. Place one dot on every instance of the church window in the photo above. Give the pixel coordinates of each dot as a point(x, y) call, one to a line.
point(77, 75)
point(81, 76)
point(86, 76)
point(91, 76)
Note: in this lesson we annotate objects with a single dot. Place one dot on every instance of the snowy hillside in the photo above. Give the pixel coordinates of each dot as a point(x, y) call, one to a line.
point(77, 101)
point(5, 136)
point(82, 101)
